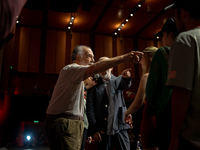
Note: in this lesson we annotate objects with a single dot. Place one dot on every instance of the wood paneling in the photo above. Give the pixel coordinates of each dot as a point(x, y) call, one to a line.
point(76, 40)
point(107, 46)
point(34, 54)
point(50, 58)
point(120, 51)
point(99, 46)
point(24, 47)
point(129, 48)
point(60, 50)
point(85, 39)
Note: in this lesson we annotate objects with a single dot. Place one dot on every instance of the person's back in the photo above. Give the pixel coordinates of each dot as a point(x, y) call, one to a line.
point(184, 76)
point(158, 95)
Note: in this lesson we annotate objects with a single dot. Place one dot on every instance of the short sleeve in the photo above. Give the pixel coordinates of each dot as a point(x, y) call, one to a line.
point(75, 72)
point(182, 62)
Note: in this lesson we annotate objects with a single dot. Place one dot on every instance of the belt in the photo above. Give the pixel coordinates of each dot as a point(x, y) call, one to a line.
point(65, 116)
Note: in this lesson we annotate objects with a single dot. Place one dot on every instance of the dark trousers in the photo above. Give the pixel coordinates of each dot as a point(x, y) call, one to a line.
point(118, 141)
point(163, 125)
point(84, 139)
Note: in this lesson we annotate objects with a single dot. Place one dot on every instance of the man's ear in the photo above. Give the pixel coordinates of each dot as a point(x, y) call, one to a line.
point(183, 13)
point(78, 57)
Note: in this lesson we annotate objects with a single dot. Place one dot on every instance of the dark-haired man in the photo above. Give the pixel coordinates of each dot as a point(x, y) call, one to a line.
point(184, 76)
point(64, 121)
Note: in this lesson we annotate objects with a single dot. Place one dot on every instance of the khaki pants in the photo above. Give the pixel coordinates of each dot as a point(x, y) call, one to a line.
point(64, 134)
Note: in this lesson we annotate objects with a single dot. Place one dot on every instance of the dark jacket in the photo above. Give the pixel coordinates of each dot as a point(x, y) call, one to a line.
point(96, 109)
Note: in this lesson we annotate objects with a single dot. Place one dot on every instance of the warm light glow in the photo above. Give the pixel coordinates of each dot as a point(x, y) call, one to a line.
point(157, 37)
point(139, 5)
point(17, 21)
point(72, 18)
point(131, 14)
point(69, 27)
point(70, 22)
point(126, 20)
point(122, 24)
point(115, 33)
point(119, 29)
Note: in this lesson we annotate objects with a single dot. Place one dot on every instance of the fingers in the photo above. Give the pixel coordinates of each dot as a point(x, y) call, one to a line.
point(138, 53)
point(99, 137)
point(126, 73)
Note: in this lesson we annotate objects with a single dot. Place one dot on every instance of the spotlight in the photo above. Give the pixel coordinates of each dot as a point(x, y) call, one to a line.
point(139, 5)
point(126, 20)
point(115, 33)
point(131, 15)
point(28, 137)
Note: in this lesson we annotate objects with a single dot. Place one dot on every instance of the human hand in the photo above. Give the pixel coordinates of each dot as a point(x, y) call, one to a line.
point(89, 83)
point(126, 73)
point(128, 119)
point(97, 137)
point(132, 57)
point(89, 139)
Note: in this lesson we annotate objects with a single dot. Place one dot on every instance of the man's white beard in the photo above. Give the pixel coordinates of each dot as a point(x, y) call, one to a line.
point(106, 76)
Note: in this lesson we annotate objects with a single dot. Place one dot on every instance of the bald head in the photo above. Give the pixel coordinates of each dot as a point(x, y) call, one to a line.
point(103, 58)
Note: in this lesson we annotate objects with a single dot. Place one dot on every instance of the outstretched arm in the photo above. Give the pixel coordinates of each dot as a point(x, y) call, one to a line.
point(103, 65)
point(139, 99)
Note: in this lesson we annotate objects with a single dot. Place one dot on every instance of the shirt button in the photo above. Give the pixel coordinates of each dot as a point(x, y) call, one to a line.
point(105, 118)
point(106, 105)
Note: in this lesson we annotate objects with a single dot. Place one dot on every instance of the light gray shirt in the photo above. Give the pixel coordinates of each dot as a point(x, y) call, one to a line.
point(184, 72)
point(68, 94)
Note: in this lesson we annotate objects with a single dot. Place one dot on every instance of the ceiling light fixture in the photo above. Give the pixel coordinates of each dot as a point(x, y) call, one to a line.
point(71, 21)
point(130, 15)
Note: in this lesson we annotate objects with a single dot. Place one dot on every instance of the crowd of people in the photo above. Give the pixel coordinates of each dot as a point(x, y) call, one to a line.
point(169, 89)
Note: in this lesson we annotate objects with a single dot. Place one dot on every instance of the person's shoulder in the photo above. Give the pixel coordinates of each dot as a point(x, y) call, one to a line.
point(74, 66)
point(188, 35)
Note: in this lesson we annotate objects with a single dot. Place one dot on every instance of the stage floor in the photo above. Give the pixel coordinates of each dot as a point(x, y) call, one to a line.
point(26, 148)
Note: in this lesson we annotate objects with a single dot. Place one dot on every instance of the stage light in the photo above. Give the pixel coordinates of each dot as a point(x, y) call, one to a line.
point(139, 5)
point(131, 15)
point(28, 137)
point(126, 20)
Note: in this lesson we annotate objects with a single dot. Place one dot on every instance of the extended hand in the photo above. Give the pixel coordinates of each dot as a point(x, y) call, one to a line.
point(132, 57)
point(128, 120)
point(97, 137)
point(126, 73)
point(89, 83)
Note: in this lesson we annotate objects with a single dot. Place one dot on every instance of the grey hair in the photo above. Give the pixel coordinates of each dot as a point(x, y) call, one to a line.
point(79, 50)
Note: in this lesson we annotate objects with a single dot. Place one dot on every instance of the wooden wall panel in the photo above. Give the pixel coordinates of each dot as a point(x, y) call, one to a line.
point(99, 46)
point(107, 46)
point(60, 50)
point(34, 50)
point(120, 51)
point(85, 39)
point(50, 52)
point(24, 47)
point(76, 40)
point(129, 48)
point(159, 44)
